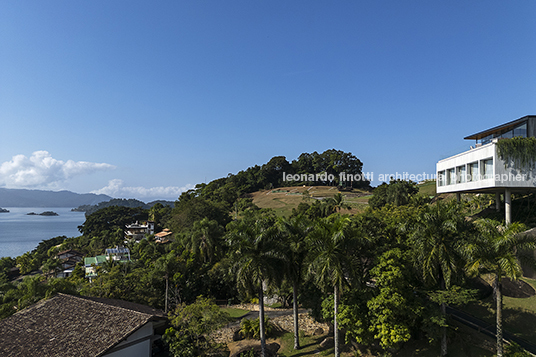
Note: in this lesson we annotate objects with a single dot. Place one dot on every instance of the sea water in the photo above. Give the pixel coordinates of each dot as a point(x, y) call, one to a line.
point(20, 232)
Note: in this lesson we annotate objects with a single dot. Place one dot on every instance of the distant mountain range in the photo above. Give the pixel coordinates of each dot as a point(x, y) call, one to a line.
point(38, 198)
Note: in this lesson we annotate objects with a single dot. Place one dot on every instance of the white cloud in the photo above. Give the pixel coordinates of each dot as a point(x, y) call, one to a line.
point(41, 170)
point(116, 188)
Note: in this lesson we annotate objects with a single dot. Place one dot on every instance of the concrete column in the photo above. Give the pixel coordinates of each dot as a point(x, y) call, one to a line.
point(497, 201)
point(507, 206)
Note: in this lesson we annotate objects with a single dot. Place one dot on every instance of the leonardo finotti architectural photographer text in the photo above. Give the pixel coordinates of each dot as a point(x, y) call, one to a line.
point(368, 176)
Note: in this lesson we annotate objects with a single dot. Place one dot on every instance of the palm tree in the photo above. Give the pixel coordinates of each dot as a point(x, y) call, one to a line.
point(295, 230)
point(205, 238)
point(499, 250)
point(256, 249)
point(329, 244)
point(437, 237)
point(338, 202)
point(166, 264)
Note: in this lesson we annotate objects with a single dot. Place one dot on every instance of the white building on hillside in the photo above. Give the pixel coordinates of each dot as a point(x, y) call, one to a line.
point(481, 170)
point(137, 231)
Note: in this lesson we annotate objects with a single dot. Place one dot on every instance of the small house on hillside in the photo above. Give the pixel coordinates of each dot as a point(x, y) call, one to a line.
point(137, 231)
point(70, 253)
point(66, 326)
point(117, 254)
point(90, 264)
point(68, 259)
point(164, 236)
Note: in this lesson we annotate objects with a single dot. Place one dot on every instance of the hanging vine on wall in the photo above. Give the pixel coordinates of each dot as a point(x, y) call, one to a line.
point(517, 152)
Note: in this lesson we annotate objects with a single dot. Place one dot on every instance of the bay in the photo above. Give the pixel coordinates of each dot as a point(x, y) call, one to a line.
point(20, 233)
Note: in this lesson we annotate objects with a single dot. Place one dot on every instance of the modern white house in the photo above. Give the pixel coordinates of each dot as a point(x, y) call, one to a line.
point(137, 231)
point(481, 170)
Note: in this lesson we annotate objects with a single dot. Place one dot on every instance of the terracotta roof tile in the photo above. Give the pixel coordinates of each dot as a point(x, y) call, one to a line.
point(67, 325)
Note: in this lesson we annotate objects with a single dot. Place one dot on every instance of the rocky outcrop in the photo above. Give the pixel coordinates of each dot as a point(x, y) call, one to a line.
point(306, 323)
point(286, 323)
point(246, 346)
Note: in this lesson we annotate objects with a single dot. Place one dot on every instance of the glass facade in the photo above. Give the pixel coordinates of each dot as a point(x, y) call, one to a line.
point(487, 169)
point(441, 178)
point(461, 174)
point(473, 171)
point(519, 130)
point(451, 176)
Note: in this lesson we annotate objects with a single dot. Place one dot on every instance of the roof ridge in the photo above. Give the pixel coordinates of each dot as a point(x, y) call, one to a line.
point(92, 299)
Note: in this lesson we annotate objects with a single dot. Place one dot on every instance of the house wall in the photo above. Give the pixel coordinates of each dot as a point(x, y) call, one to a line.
point(136, 345)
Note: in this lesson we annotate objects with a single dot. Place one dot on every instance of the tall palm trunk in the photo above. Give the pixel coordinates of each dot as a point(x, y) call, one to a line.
point(498, 296)
point(443, 331)
point(261, 322)
point(443, 328)
point(166, 302)
point(295, 308)
point(335, 324)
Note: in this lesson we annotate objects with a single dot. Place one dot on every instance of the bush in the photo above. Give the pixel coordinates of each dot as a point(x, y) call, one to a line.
point(515, 350)
point(190, 327)
point(251, 328)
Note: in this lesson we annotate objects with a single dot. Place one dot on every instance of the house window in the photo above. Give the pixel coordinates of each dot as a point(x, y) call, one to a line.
point(521, 130)
point(441, 178)
point(485, 139)
point(487, 169)
point(451, 176)
point(473, 171)
point(461, 174)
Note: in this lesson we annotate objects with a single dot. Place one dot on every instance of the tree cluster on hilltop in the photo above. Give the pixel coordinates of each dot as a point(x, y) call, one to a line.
point(270, 175)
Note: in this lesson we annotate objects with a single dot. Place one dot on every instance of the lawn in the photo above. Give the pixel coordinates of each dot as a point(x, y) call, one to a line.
point(464, 342)
point(428, 188)
point(310, 345)
point(282, 200)
point(234, 312)
point(519, 314)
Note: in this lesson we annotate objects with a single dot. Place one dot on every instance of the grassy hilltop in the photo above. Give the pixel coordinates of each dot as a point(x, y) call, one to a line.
point(284, 199)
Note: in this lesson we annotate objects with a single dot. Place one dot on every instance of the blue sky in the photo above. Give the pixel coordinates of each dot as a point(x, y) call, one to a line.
point(144, 99)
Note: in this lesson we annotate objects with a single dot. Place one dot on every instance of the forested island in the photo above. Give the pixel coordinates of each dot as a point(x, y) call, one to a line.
point(379, 265)
point(46, 213)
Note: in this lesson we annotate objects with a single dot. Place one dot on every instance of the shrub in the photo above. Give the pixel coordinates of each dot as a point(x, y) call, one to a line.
point(250, 328)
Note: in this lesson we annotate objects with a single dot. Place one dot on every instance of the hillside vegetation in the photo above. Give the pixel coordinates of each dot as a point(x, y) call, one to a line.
point(365, 261)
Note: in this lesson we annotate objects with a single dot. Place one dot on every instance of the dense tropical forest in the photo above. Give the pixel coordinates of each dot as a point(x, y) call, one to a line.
point(383, 276)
